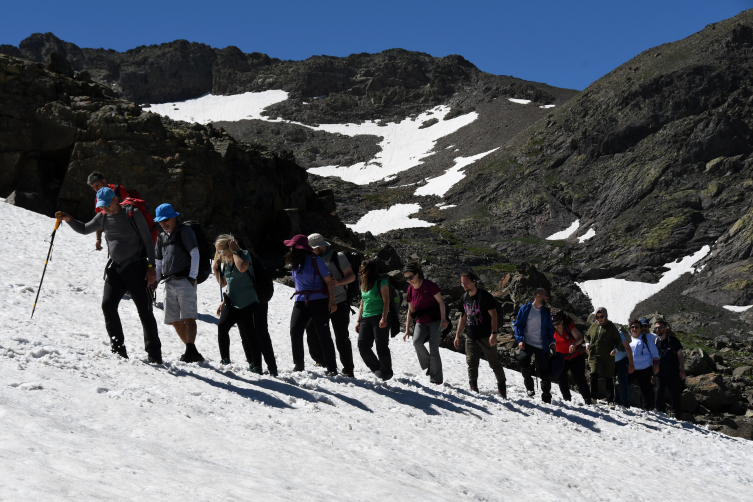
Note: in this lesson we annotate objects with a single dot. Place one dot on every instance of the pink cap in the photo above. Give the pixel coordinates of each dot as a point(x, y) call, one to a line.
point(300, 241)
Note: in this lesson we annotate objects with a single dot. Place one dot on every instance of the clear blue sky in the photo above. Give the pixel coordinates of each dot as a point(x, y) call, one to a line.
point(563, 43)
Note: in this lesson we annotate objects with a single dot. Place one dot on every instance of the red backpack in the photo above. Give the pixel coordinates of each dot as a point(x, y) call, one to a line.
point(132, 202)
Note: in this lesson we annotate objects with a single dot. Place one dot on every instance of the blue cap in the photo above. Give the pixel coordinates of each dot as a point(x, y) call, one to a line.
point(644, 321)
point(104, 196)
point(164, 212)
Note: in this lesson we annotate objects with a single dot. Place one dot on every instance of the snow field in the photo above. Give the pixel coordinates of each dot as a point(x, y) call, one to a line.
point(735, 308)
point(213, 108)
point(380, 221)
point(620, 297)
point(442, 184)
point(564, 234)
point(80, 423)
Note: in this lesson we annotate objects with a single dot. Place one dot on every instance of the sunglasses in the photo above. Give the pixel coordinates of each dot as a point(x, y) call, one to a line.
point(661, 327)
point(635, 327)
point(409, 277)
point(556, 323)
point(600, 316)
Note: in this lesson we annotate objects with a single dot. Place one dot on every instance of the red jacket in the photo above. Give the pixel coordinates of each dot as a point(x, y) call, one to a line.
point(565, 339)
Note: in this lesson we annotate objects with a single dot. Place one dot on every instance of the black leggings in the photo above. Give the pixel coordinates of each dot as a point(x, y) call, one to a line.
point(318, 310)
point(577, 367)
point(643, 379)
point(369, 332)
point(261, 343)
point(245, 319)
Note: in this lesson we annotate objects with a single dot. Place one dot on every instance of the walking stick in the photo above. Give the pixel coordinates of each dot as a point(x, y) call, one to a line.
point(49, 252)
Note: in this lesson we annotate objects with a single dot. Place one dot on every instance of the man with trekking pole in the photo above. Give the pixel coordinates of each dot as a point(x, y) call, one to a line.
point(130, 268)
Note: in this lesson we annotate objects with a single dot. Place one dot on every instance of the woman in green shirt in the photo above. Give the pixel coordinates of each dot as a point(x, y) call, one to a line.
point(374, 321)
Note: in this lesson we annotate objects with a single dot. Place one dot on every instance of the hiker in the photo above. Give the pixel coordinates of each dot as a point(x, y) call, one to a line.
point(342, 275)
point(130, 269)
point(603, 342)
point(671, 369)
point(426, 307)
point(623, 367)
point(569, 343)
point(314, 299)
point(646, 362)
point(232, 268)
point(177, 264)
point(535, 336)
point(97, 181)
point(478, 317)
point(373, 323)
point(646, 330)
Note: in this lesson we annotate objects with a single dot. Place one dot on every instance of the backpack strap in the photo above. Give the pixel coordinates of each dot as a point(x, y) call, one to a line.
point(324, 290)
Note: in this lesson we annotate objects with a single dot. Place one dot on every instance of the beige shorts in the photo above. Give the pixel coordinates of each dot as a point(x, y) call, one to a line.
point(180, 301)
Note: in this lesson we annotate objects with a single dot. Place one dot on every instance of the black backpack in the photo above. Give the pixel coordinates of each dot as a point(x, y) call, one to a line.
point(261, 278)
point(206, 250)
point(353, 288)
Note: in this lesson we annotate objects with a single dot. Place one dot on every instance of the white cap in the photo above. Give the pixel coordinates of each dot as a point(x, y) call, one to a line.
point(317, 240)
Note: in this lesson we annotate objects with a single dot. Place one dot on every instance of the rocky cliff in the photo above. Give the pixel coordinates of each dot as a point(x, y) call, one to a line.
point(57, 129)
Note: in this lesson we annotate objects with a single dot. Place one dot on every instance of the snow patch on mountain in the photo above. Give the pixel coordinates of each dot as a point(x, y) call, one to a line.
point(588, 235)
point(442, 184)
point(735, 308)
point(564, 234)
point(380, 221)
point(213, 108)
point(620, 296)
point(520, 101)
point(403, 145)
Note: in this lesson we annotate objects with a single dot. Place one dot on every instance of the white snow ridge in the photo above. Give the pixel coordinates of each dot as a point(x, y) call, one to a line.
point(214, 108)
point(79, 423)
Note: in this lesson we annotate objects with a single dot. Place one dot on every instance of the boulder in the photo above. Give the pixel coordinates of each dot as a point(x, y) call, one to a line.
point(699, 363)
point(742, 371)
point(525, 281)
point(738, 427)
point(30, 201)
point(710, 391)
point(721, 342)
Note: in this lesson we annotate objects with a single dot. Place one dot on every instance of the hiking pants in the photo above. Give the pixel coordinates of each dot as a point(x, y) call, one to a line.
point(473, 351)
point(609, 384)
point(541, 356)
point(318, 310)
point(261, 343)
point(643, 379)
point(340, 323)
point(245, 319)
point(369, 332)
point(621, 384)
point(669, 383)
point(577, 367)
point(131, 280)
point(429, 359)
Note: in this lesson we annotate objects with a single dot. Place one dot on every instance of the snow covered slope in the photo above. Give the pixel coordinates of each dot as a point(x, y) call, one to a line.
point(214, 108)
point(78, 423)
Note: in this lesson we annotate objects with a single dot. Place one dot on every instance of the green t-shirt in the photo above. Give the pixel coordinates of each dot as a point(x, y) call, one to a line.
point(372, 300)
point(240, 286)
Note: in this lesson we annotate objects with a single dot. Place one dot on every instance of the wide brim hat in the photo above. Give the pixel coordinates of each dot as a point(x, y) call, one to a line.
point(165, 212)
point(317, 241)
point(299, 241)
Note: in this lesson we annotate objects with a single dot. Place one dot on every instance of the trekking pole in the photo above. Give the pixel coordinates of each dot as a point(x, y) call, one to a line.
point(49, 252)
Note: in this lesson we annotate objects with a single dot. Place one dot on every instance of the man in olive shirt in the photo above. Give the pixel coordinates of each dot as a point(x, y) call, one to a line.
point(129, 270)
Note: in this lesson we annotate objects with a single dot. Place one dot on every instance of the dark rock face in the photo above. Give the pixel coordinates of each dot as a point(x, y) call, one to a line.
point(56, 130)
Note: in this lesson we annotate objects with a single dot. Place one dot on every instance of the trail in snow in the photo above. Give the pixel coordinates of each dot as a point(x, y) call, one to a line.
point(620, 296)
point(380, 221)
point(79, 423)
point(442, 184)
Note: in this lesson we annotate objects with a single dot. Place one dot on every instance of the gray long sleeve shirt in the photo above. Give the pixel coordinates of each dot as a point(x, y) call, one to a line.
point(122, 240)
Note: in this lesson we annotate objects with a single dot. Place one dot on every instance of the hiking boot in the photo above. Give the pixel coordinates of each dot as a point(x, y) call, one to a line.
point(473, 385)
point(589, 402)
point(502, 388)
point(348, 374)
point(121, 352)
point(156, 359)
point(611, 406)
point(183, 357)
point(225, 361)
point(331, 373)
point(272, 372)
point(192, 355)
point(298, 367)
point(547, 398)
point(531, 393)
point(255, 369)
point(378, 373)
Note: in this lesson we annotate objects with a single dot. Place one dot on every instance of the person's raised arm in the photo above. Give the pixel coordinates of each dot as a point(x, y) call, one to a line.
point(240, 263)
point(83, 228)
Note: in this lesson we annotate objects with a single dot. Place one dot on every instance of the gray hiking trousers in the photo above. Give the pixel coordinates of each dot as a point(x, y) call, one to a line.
point(429, 359)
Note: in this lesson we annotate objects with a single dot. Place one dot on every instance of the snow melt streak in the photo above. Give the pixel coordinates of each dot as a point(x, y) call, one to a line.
point(620, 296)
point(442, 184)
point(79, 423)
